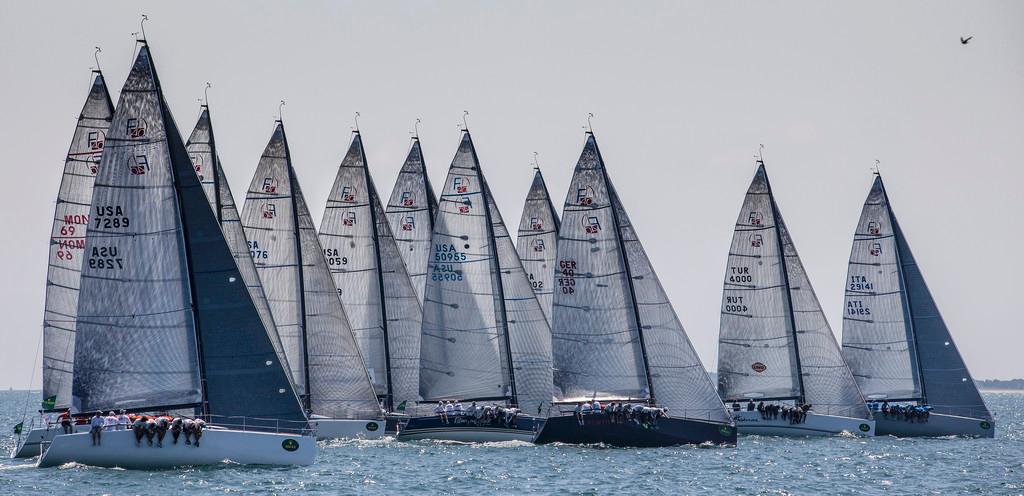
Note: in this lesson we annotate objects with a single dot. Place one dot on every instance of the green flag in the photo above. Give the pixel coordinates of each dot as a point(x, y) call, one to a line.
point(17, 428)
point(401, 407)
point(50, 402)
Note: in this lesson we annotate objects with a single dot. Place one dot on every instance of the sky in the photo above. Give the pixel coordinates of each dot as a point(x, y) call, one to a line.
point(682, 94)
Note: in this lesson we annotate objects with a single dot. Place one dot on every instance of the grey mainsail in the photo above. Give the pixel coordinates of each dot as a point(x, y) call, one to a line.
point(368, 271)
point(537, 241)
point(293, 267)
point(484, 335)
point(894, 338)
point(410, 211)
point(614, 332)
point(202, 151)
point(165, 320)
point(67, 244)
point(774, 340)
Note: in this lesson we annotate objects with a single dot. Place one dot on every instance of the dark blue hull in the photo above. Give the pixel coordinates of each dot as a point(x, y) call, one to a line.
point(666, 432)
point(469, 430)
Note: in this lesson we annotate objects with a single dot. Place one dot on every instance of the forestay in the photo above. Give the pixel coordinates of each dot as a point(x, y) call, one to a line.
point(368, 271)
point(410, 212)
point(159, 325)
point(595, 336)
point(311, 321)
point(945, 383)
point(202, 151)
point(537, 242)
point(67, 244)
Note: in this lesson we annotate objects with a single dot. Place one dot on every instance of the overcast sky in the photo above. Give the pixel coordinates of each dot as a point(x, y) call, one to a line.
point(683, 93)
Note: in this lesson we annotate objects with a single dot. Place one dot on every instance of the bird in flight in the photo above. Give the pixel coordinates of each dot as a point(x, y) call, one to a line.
point(964, 41)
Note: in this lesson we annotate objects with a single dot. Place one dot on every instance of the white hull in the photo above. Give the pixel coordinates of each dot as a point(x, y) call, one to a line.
point(328, 428)
point(468, 435)
point(31, 444)
point(216, 446)
point(937, 425)
point(814, 424)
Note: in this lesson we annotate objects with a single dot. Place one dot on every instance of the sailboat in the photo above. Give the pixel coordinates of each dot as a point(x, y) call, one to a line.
point(165, 323)
point(618, 344)
point(537, 240)
point(775, 346)
point(410, 211)
point(897, 343)
point(315, 333)
point(485, 342)
point(368, 271)
point(67, 247)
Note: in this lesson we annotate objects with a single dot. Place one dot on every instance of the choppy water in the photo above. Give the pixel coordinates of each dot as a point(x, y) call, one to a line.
point(759, 465)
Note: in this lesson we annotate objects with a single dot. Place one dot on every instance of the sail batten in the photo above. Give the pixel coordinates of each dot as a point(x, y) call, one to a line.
point(537, 241)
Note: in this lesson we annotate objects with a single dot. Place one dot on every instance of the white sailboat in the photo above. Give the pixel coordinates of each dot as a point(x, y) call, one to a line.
point(537, 241)
point(165, 322)
point(618, 343)
point(378, 295)
point(410, 211)
point(775, 347)
point(484, 337)
point(896, 342)
point(67, 247)
point(295, 271)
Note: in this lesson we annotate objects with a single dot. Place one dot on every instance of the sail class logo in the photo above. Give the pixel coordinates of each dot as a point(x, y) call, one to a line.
point(95, 140)
point(408, 199)
point(94, 164)
point(756, 240)
point(197, 164)
point(269, 185)
point(536, 224)
point(460, 184)
point(465, 205)
point(584, 196)
point(874, 229)
point(876, 249)
point(408, 224)
point(134, 129)
point(348, 194)
point(538, 245)
point(349, 219)
point(591, 224)
point(290, 444)
point(758, 367)
point(754, 218)
point(269, 210)
point(138, 165)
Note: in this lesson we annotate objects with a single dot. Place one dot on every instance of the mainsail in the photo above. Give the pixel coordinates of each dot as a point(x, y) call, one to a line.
point(314, 329)
point(484, 334)
point(378, 296)
point(67, 244)
point(537, 241)
point(774, 341)
point(615, 334)
point(202, 151)
point(164, 319)
point(894, 338)
point(410, 211)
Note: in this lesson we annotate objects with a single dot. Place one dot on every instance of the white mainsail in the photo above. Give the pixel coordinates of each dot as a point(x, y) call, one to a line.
point(293, 267)
point(774, 340)
point(484, 334)
point(67, 244)
point(537, 241)
point(615, 334)
point(410, 211)
point(378, 295)
point(894, 338)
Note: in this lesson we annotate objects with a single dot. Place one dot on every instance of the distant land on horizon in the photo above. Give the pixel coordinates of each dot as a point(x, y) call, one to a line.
point(983, 384)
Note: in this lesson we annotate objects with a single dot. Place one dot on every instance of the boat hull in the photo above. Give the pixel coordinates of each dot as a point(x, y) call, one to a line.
point(814, 424)
point(468, 430)
point(118, 449)
point(937, 425)
point(32, 443)
point(599, 429)
point(328, 428)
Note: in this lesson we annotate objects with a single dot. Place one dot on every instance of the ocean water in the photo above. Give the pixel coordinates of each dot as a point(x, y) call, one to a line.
point(758, 465)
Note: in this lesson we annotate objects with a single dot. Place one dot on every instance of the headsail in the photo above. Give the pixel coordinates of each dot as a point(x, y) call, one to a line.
point(368, 271)
point(67, 244)
point(411, 211)
point(165, 319)
point(479, 313)
point(774, 341)
point(537, 241)
point(892, 356)
point(311, 321)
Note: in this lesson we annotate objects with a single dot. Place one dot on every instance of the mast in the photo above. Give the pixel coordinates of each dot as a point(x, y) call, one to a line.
point(906, 293)
point(307, 403)
point(785, 278)
point(486, 197)
point(389, 399)
point(613, 199)
point(216, 168)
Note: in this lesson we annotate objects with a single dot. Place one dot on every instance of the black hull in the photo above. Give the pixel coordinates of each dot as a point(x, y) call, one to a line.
point(599, 429)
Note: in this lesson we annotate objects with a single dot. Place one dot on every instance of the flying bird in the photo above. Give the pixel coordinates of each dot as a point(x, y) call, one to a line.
point(964, 41)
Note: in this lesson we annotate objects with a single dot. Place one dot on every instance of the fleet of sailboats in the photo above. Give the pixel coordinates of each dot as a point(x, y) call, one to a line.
point(162, 298)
